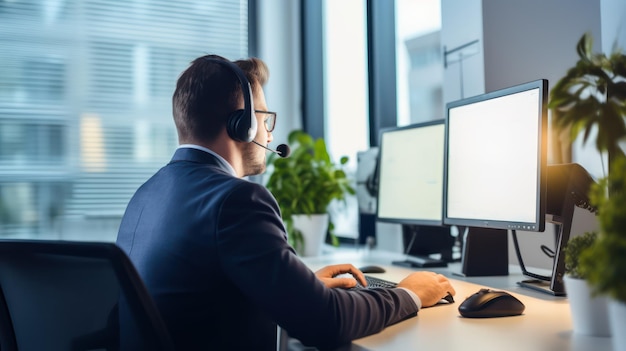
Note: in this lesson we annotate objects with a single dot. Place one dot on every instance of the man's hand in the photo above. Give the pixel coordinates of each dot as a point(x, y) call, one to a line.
point(430, 287)
point(327, 276)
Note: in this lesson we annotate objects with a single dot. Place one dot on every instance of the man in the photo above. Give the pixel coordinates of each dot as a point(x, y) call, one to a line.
point(212, 249)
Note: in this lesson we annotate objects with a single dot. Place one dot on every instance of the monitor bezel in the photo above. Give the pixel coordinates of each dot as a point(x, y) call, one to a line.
point(407, 221)
point(538, 225)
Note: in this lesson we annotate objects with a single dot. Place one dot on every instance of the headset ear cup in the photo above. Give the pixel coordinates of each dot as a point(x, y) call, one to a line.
point(241, 124)
point(233, 126)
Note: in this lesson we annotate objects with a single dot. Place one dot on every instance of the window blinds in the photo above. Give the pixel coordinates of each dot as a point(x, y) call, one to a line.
point(85, 98)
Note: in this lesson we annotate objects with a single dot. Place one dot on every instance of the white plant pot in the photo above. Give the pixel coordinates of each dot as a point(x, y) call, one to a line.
point(617, 317)
point(589, 313)
point(314, 229)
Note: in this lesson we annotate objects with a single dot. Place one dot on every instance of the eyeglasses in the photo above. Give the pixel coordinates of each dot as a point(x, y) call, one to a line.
point(269, 120)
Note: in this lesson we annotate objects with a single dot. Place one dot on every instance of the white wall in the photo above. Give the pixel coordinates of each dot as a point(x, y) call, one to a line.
point(461, 23)
point(533, 39)
point(519, 41)
point(613, 15)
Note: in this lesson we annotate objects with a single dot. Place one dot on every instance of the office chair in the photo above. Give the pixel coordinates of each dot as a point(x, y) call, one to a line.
point(62, 295)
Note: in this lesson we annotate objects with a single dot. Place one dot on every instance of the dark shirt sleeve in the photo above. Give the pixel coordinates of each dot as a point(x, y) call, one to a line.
point(255, 255)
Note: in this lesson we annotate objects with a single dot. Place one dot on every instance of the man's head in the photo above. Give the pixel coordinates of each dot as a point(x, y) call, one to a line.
point(207, 94)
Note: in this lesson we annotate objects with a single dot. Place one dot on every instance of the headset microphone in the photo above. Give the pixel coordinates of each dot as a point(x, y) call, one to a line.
point(282, 150)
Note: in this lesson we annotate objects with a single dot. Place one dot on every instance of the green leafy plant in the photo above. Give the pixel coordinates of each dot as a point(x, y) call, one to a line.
point(573, 250)
point(604, 263)
point(593, 93)
point(306, 182)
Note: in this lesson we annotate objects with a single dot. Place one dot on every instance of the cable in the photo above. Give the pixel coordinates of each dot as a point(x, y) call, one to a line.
point(548, 251)
point(410, 245)
point(521, 262)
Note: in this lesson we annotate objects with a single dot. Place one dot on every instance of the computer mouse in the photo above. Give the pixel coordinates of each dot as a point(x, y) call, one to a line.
point(372, 269)
point(448, 298)
point(488, 303)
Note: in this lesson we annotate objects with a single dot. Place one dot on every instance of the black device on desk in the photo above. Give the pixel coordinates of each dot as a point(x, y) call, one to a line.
point(410, 188)
point(488, 303)
point(568, 186)
point(372, 269)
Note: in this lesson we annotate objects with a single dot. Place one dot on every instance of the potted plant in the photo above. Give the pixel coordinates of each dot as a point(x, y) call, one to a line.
point(593, 94)
point(305, 184)
point(589, 311)
point(604, 263)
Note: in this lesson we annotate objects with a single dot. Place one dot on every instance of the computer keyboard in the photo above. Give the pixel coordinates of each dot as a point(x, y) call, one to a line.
point(373, 282)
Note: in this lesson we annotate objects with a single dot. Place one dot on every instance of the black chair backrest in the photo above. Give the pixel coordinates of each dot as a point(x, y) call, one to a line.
point(62, 295)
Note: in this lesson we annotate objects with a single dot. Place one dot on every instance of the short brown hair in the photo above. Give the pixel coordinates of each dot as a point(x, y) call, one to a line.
point(207, 93)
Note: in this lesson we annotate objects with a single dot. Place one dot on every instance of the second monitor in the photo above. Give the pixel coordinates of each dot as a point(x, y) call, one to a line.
point(410, 191)
point(495, 171)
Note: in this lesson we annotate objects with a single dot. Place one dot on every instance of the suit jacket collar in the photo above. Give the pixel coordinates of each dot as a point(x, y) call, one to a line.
point(199, 156)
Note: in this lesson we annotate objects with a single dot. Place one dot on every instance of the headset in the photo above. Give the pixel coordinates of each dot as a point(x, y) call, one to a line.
point(241, 124)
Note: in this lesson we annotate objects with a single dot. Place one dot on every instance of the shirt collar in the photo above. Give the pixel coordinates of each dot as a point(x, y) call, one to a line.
point(221, 160)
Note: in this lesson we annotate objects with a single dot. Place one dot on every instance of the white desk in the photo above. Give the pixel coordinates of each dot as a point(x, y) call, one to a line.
point(545, 324)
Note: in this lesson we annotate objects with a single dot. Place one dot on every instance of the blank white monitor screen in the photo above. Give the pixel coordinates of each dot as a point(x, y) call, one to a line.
point(495, 159)
point(410, 179)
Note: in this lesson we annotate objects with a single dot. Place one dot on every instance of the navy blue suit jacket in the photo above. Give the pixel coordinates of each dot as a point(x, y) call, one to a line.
point(212, 251)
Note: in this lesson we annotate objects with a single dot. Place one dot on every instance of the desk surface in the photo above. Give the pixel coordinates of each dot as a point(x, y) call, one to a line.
point(545, 324)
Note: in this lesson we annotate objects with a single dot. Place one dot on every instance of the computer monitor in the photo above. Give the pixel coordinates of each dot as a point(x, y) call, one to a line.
point(495, 163)
point(496, 154)
point(410, 190)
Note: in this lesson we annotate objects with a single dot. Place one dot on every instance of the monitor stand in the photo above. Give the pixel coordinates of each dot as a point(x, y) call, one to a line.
point(485, 252)
point(567, 188)
point(553, 284)
point(422, 241)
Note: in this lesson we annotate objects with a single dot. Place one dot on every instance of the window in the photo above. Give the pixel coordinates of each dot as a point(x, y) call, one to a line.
point(366, 80)
point(419, 62)
point(85, 103)
point(345, 94)
point(345, 76)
